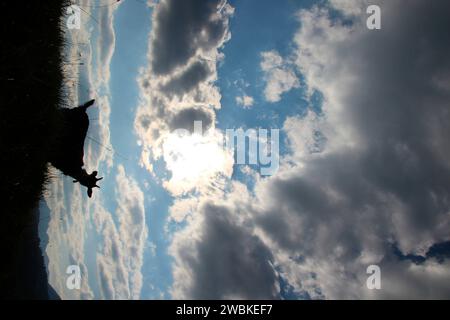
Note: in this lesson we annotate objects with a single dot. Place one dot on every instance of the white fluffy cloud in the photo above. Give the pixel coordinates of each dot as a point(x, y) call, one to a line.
point(279, 76)
point(121, 258)
point(67, 233)
point(245, 101)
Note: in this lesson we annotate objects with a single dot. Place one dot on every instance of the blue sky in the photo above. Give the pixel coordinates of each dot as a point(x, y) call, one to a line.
point(175, 216)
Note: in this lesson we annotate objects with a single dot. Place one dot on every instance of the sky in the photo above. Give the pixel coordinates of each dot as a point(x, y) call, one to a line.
point(361, 176)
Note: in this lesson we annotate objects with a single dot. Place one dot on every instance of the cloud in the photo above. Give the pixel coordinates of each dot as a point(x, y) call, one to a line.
point(66, 233)
point(177, 88)
point(245, 101)
point(368, 172)
point(121, 258)
point(413, 281)
point(187, 80)
point(181, 29)
point(186, 118)
point(106, 41)
point(279, 76)
point(224, 262)
point(382, 176)
point(132, 227)
point(112, 272)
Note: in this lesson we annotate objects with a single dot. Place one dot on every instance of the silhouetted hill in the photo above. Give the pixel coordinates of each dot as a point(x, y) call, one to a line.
point(30, 79)
point(31, 277)
point(44, 221)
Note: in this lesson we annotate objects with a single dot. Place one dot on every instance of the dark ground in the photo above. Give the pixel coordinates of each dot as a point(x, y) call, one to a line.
point(30, 79)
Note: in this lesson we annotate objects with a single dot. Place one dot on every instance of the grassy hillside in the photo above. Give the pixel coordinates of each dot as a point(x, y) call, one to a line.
point(30, 79)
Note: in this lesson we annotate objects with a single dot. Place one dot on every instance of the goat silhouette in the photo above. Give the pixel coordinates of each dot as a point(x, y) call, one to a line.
point(68, 154)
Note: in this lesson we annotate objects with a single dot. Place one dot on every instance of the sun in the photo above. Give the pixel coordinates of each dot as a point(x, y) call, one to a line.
point(195, 159)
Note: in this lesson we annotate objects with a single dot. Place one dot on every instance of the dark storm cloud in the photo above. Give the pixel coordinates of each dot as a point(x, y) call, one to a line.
point(185, 118)
point(181, 28)
point(228, 262)
point(394, 186)
point(401, 118)
point(187, 80)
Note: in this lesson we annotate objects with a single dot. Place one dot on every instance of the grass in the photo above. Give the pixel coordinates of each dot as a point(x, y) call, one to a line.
point(31, 78)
